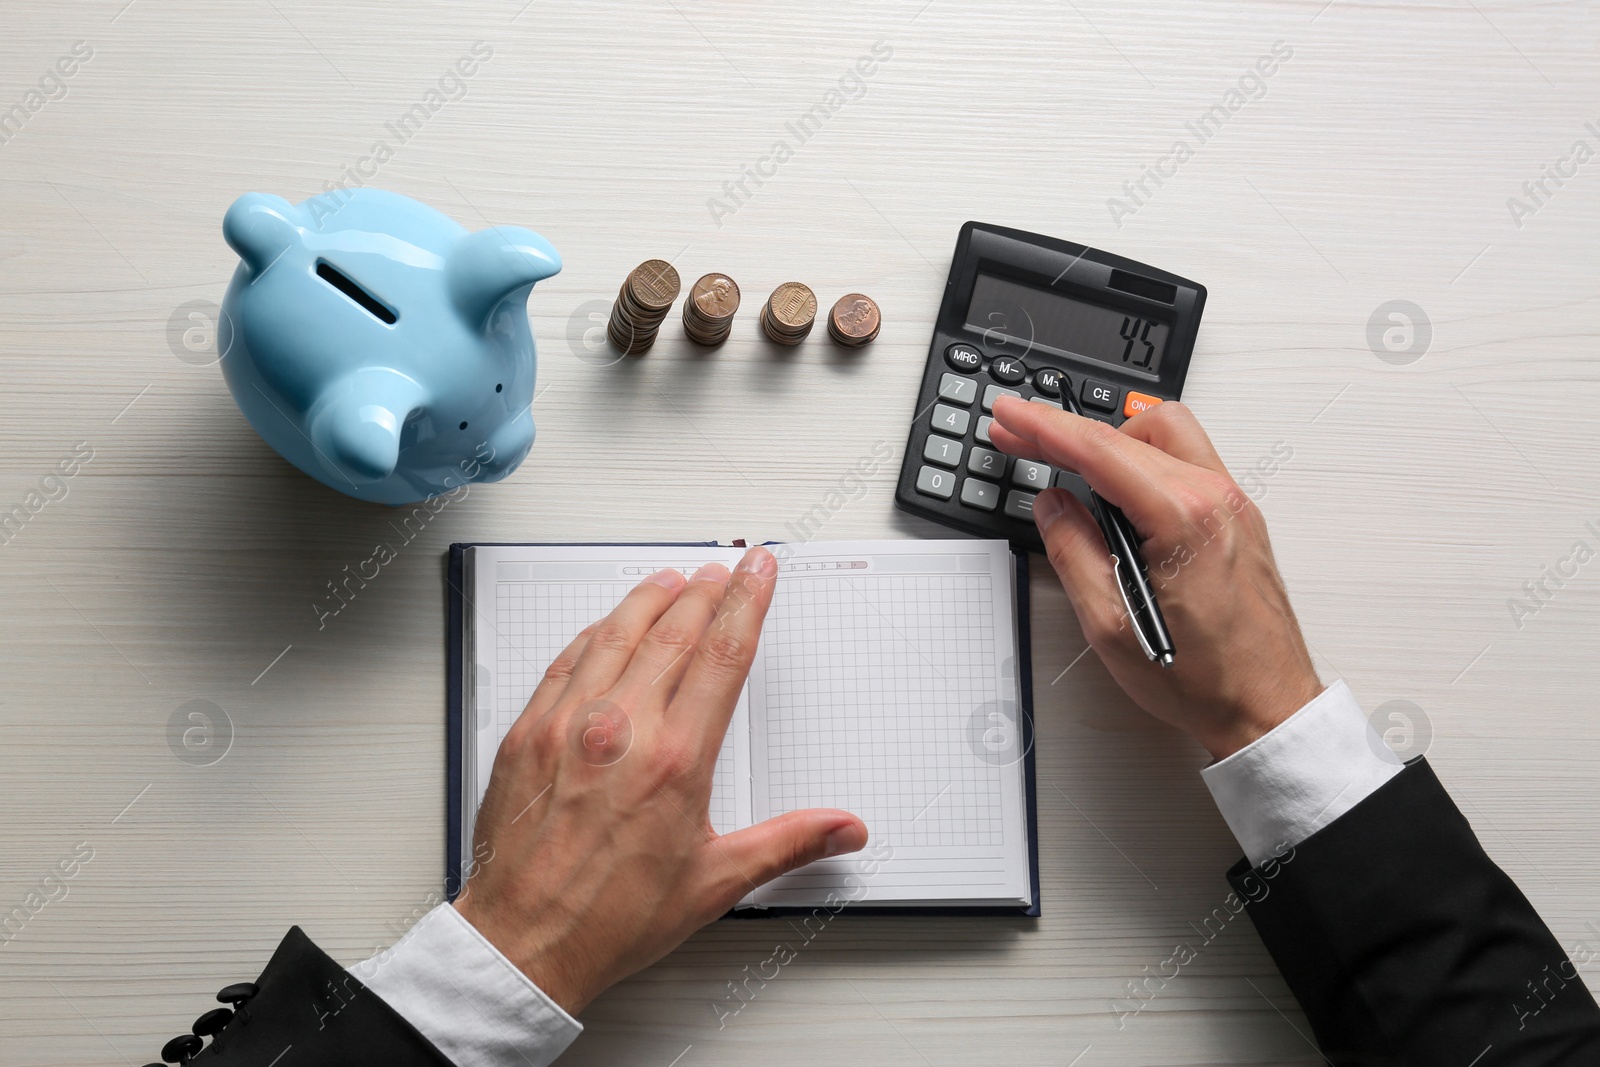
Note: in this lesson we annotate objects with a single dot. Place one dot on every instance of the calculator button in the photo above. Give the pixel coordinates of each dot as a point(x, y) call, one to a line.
point(1019, 505)
point(1030, 475)
point(956, 389)
point(1046, 400)
point(982, 434)
point(1099, 395)
point(987, 462)
point(964, 358)
point(941, 484)
point(947, 419)
point(990, 392)
point(1137, 402)
point(942, 450)
point(984, 496)
point(1008, 370)
point(1049, 381)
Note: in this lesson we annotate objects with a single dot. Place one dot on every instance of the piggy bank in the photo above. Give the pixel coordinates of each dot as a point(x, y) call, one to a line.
point(378, 345)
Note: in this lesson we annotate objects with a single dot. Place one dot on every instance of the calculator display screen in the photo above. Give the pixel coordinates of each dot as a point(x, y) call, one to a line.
point(1012, 314)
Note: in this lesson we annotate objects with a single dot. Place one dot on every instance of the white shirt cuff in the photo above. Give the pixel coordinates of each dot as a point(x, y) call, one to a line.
point(1306, 772)
point(477, 1008)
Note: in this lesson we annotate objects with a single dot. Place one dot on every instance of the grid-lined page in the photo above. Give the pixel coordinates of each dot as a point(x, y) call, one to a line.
point(870, 683)
point(885, 670)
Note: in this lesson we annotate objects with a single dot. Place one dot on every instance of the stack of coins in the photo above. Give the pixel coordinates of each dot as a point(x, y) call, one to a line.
point(789, 313)
point(708, 313)
point(642, 305)
point(854, 321)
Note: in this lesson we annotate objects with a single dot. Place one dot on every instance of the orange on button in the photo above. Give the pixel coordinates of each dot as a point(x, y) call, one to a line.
point(1138, 402)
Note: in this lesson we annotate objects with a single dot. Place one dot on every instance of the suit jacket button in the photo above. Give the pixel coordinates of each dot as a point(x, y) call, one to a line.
point(237, 993)
point(181, 1048)
point(211, 1022)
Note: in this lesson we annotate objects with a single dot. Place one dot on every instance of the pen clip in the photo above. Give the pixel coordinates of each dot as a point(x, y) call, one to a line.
point(1133, 619)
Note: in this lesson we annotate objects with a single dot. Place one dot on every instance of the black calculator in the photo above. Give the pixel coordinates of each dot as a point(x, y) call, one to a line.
point(1032, 316)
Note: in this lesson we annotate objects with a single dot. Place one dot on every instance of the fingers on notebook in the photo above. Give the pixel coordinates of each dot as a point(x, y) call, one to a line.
point(664, 654)
point(557, 675)
point(711, 684)
point(615, 638)
point(758, 854)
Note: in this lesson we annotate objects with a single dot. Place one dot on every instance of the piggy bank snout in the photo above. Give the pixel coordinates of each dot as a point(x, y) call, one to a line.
point(507, 447)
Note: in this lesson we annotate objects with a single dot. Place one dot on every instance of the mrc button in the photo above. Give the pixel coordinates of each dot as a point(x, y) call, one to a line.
point(1099, 395)
point(963, 358)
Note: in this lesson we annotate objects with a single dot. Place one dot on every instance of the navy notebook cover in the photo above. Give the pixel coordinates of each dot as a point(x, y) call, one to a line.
point(456, 607)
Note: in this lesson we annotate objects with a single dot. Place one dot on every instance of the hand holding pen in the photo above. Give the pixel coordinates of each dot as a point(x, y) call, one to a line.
point(1133, 580)
point(1204, 548)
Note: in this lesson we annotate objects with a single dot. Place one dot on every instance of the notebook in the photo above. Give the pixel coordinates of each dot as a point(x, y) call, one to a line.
point(891, 680)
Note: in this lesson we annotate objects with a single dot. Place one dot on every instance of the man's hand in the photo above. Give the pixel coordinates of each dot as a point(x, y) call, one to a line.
point(595, 853)
point(1241, 665)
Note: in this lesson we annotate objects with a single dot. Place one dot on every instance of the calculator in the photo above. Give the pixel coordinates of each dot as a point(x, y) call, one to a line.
point(1032, 316)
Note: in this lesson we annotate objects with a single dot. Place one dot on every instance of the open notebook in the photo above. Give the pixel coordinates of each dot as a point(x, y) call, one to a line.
point(891, 680)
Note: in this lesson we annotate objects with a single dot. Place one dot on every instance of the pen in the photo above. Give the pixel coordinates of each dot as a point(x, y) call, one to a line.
point(1132, 578)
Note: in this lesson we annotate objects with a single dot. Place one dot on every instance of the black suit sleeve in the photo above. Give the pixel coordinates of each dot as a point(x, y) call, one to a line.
point(1405, 944)
point(309, 1012)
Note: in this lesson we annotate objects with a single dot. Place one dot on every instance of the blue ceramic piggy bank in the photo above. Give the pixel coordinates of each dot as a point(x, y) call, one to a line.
point(379, 346)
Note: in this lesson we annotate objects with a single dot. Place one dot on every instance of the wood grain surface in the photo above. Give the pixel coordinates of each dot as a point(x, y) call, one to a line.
point(1416, 483)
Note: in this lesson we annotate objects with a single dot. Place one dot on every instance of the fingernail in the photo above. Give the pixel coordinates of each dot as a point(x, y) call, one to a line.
point(1047, 508)
point(759, 561)
point(711, 572)
point(845, 839)
point(667, 579)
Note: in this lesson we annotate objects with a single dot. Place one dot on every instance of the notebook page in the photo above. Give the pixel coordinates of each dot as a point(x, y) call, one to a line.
point(529, 602)
point(886, 685)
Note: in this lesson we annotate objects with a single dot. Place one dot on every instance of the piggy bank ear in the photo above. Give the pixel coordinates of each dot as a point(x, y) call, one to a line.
point(490, 265)
point(258, 226)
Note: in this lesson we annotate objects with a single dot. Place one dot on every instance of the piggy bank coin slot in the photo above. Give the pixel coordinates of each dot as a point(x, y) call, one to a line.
point(328, 273)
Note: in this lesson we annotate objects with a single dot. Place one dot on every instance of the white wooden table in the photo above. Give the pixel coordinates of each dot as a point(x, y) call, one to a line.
point(1433, 472)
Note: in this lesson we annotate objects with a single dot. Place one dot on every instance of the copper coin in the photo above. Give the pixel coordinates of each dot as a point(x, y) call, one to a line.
point(781, 334)
point(792, 306)
point(628, 340)
point(715, 297)
point(654, 285)
point(854, 320)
